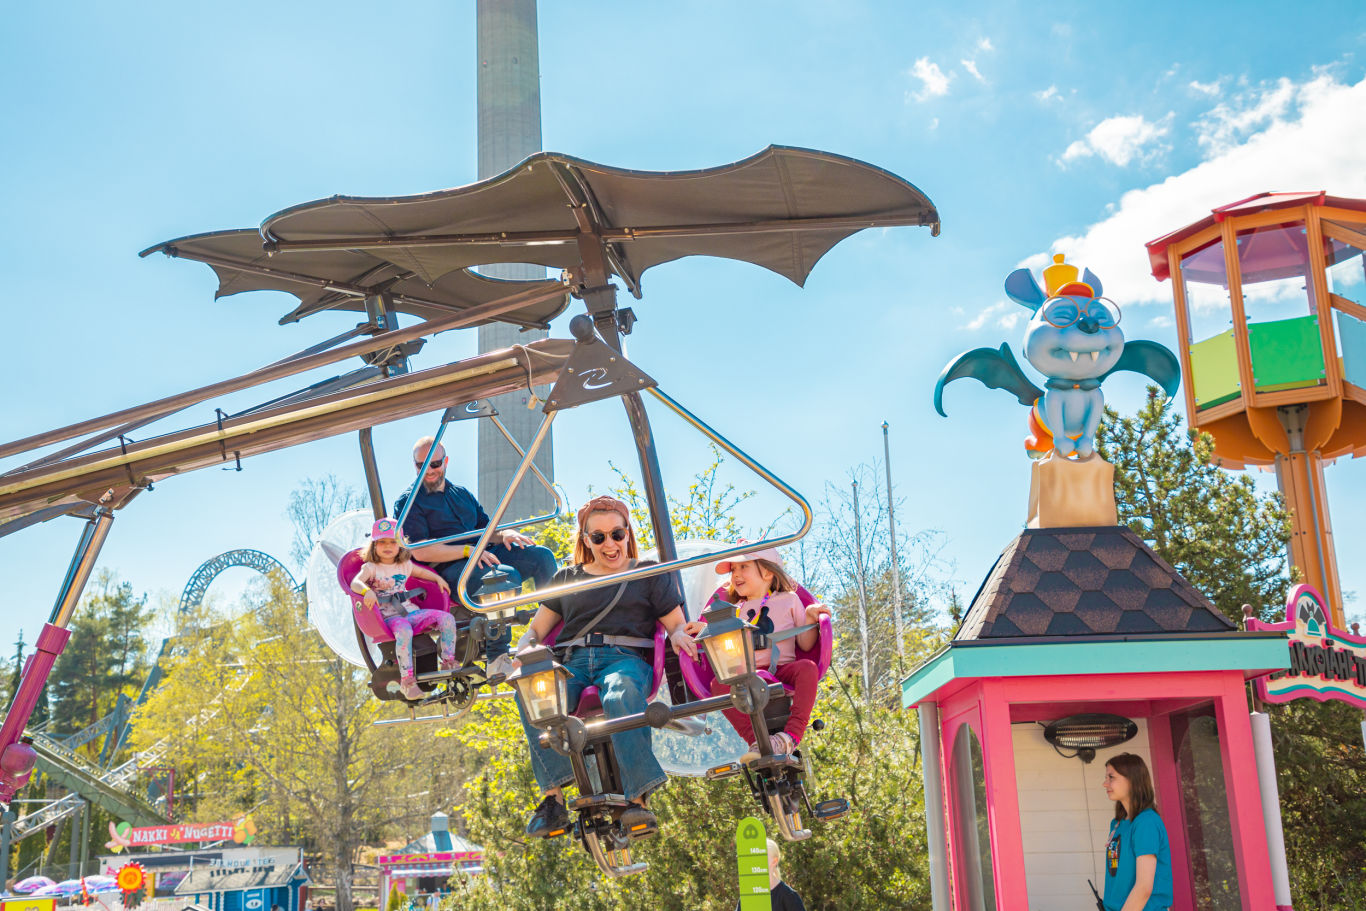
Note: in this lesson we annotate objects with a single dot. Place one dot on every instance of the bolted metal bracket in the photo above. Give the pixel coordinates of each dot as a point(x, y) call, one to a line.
point(479, 408)
point(595, 371)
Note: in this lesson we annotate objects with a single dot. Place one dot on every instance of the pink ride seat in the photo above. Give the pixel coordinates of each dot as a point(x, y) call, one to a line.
point(369, 620)
point(698, 674)
point(590, 701)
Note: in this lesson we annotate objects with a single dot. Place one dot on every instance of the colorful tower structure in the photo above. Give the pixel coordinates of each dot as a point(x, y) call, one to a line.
point(1270, 296)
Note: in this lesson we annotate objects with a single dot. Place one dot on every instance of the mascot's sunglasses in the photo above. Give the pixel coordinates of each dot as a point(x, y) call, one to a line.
point(1064, 312)
point(618, 535)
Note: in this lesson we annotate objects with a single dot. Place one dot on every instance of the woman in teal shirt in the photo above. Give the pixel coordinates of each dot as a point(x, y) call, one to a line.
point(1138, 859)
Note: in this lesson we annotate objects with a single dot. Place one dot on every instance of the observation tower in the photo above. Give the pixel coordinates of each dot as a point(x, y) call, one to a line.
point(1270, 296)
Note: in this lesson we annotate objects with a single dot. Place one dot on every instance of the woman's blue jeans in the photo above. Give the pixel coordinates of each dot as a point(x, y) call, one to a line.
point(623, 680)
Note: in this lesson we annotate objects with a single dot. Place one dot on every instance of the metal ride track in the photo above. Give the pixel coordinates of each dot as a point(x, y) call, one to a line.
point(114, 790)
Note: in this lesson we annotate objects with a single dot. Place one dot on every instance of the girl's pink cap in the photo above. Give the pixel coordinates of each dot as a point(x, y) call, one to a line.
point(768, 553)
point(385, 528)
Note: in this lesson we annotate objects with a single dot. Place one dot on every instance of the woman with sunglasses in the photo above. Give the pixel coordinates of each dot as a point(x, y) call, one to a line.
point(616, 658)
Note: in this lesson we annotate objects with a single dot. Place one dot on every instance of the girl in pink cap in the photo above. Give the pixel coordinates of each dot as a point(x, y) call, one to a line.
point(765, 596)
point(388, 564)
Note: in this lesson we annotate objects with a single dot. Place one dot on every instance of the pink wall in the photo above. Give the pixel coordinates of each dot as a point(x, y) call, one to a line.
point(989, 705)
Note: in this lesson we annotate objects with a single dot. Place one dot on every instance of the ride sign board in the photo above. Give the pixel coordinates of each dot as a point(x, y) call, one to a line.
point(29, 904)
point(751, 853)
point(241, 831)
point(1324, 662)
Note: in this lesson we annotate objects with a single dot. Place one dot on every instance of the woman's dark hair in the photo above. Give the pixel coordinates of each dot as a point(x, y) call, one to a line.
point(1135, 771)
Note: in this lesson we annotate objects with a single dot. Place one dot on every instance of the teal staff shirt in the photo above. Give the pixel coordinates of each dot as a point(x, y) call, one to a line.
point(1129, 840)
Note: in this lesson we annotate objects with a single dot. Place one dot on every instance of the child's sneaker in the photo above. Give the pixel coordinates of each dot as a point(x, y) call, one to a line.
point(448, 664)
point(780, 743)
point(410, 690)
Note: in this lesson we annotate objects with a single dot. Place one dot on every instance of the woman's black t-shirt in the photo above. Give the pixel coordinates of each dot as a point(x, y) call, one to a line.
point(641, 605)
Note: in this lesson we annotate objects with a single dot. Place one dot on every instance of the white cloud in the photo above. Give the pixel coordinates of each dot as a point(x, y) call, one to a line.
point(1049, 94)
point(1001, 315)
point(933, 81)
point(971, 67)
point(1230, 122)
point(1315, 148)
point(1119, 140)
point(1211, 89)
point(984, 44)
point(934, 123)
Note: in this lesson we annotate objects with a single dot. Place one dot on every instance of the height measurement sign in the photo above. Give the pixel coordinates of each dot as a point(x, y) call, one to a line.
point(751, 853)
point(1323, 662)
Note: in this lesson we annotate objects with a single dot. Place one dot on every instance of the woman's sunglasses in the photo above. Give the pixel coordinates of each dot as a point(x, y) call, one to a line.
point(434, 463)
point(597, 537)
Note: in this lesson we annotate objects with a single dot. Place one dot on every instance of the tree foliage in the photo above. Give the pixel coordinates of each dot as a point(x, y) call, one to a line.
point(106, 655)
point(260, 714)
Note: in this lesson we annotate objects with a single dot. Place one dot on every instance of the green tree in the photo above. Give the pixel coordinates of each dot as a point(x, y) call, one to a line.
point(1210, 524)
point(263, 717)
point(106, 655)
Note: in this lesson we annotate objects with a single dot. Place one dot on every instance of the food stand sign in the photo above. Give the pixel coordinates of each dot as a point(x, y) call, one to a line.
point(1323, 663)
point(29, 904)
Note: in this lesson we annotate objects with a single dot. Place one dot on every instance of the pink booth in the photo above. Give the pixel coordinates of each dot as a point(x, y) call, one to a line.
point(1088, 621)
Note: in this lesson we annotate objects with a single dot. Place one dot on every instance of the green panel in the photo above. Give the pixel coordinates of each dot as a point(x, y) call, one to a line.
point(1214, 652)
point(751, 854)
point(1286, 353)
point(1214, 370)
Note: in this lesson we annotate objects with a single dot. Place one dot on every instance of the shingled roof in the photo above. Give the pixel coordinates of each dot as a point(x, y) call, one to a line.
point(1085, 582)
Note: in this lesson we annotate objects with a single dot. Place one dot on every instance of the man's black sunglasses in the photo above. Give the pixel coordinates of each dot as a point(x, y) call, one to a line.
point(618, 535)
point(434, 463)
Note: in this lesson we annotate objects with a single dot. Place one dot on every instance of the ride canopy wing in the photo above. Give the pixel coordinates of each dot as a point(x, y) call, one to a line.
point(341, 279)
point(782, 209)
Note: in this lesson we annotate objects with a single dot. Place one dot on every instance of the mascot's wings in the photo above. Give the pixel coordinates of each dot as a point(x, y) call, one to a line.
point(1150, 359)
point(995, 369)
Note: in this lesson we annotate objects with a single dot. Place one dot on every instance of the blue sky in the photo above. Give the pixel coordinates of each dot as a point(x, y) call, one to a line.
point(1083, 129)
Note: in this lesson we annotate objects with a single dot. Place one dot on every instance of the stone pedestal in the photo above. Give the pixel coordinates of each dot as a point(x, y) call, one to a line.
point(1065, 493)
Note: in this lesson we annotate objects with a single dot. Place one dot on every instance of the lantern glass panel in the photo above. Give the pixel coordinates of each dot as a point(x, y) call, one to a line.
point(729, 656)
point(544, 696)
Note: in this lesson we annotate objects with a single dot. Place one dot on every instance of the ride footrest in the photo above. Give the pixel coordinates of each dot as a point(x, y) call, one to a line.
point(727, 770)
point(597, 801)
point(830, 809)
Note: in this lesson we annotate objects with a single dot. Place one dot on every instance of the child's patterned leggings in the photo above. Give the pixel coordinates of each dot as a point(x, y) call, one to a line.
point(417, 622)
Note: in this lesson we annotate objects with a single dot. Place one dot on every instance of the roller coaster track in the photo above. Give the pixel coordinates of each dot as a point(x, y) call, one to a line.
point(115, 789)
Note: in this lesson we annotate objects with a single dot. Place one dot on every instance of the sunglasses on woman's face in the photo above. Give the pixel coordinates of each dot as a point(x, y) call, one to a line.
point(434, 463)
point(597, 537)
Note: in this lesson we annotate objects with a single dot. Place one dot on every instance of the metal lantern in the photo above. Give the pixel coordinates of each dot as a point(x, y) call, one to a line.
point(729, 643)
point(501, 584)
point(541, 684)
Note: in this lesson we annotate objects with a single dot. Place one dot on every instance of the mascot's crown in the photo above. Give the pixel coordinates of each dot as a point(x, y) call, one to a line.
point(1061, 279)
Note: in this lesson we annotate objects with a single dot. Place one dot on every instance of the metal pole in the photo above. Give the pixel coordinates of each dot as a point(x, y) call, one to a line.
point(862, 595)
point(6, 840)
point(82, 562)
point(85, 840)
point(50, 643)
point(367, 457)
point(1271, 807)
point(896, 566)
point(932, 779)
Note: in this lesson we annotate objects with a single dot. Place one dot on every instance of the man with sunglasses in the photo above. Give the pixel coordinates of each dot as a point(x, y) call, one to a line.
point(442, 509)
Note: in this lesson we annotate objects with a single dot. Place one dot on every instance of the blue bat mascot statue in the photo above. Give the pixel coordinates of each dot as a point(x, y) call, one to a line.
point(1074, 340)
